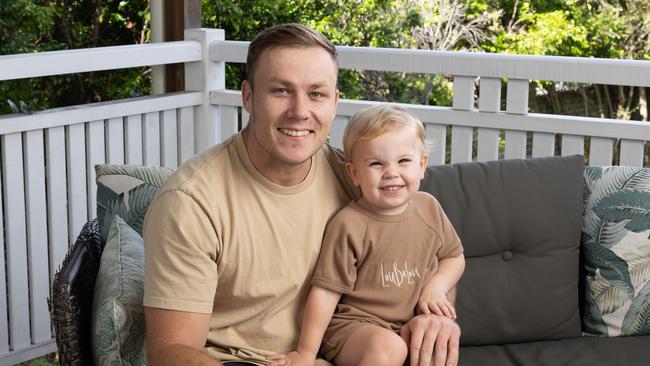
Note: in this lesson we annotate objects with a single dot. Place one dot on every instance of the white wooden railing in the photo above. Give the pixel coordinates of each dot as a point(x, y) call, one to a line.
point(47, 176)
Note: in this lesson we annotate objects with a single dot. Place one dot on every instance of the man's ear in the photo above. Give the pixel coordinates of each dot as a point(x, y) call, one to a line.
point(247, 96)
point(354, 173)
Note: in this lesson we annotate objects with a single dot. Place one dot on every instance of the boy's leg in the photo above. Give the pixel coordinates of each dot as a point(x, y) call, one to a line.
point(372, 345)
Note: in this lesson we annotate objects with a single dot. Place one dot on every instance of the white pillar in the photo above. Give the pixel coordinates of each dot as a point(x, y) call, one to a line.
point(204, 76)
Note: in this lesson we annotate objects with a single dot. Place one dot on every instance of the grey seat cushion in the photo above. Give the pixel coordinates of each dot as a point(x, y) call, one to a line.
point(591, 351)
point(520, 223)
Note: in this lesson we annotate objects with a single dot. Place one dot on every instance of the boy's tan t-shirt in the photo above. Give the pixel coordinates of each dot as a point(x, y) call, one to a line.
point(380, 263)
point(220, 238)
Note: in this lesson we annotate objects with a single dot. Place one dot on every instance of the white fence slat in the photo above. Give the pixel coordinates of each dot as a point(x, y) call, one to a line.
point(57, 198)
point(489, 101)
point(573, 145)
point(39, 277)
point(186, 133)
point(461, 137)
point(436, 143)
point(631, 153)
point(168, 141)
point(4, 324)
point(336, 132)
point(515, 145)
point(463, 92)
point(229, 121)
point(151, 139)
point(133, 137)
point(543, 144)
point(487, 145)
point(489, 95)
point(601, 151)
point(516, 103)
point(115, 141)
point(517, 96)
point(96, 155)
point(76, 169)
point(245, 116)
point(16, 240)
point(461, 144)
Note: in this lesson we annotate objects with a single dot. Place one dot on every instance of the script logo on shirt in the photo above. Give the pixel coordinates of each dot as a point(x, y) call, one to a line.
point(397, 276)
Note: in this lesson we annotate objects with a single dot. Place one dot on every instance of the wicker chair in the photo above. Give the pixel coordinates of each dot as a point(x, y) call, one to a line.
point(72, 297)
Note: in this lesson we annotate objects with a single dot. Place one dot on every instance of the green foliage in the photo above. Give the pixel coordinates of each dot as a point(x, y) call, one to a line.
point(40, 25)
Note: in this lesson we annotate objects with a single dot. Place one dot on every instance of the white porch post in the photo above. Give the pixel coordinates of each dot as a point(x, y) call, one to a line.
point(204, 76)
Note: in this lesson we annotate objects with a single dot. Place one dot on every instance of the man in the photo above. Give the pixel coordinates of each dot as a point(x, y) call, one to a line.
point(233, 236)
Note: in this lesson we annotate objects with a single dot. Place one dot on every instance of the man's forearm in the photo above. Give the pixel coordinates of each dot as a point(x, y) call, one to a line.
point(180, 354)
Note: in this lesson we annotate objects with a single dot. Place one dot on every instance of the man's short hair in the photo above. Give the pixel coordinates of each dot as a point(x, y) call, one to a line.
point(377, 120)
point(285, 35)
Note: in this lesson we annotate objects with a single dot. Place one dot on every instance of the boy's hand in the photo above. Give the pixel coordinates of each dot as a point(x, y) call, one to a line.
point(291, 359)
point(433, 301)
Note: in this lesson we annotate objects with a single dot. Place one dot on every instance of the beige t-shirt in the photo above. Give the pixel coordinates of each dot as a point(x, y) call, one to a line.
point(220, 238)
point(380, 263)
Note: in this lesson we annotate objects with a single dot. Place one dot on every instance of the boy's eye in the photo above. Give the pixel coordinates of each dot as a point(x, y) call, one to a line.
point(374, 164)
point(404, 161)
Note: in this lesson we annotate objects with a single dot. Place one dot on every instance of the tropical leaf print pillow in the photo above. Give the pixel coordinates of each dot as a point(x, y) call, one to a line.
point(126, 191)
point(616, 245)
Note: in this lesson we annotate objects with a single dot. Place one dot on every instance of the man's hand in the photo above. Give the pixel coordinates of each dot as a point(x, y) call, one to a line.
point(432, 340)
point(291, 359)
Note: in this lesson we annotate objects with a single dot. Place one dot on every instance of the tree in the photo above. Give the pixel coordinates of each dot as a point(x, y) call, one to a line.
point(48, 25)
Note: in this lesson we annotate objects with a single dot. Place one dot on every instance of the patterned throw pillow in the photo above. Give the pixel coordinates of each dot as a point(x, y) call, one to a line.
point(127, 191)
point(118, 316)
point(616, 244)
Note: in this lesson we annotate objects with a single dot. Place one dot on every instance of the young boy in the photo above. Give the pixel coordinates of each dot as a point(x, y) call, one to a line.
point(385, 257)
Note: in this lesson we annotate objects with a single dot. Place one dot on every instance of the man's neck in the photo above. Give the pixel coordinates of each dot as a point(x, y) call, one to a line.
point(278, 172)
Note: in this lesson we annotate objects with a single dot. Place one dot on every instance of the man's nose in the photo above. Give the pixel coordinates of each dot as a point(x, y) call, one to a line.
point(299, 108)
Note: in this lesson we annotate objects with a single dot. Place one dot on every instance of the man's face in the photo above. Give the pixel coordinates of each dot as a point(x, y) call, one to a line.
point(292, 106)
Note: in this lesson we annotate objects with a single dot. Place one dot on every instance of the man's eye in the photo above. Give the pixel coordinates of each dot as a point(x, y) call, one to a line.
point(316, 94)
point(280, 91)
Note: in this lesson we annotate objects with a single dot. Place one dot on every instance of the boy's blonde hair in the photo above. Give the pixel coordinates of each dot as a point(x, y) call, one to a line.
point(376, 120)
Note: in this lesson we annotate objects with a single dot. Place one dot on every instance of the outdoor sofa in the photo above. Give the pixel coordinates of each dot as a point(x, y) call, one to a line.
point(534, 277)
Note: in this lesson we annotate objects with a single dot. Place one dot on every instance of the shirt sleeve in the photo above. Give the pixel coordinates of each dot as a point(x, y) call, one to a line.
point(451, 245)
point(341, 251)
point(181, 255)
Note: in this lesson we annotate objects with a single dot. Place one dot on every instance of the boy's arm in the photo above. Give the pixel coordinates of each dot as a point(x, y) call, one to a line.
point(442, 283)
point(318, 313)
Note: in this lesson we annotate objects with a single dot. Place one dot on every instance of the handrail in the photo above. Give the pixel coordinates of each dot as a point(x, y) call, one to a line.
point(538, 122)
point(526, 67)
point(96, 59)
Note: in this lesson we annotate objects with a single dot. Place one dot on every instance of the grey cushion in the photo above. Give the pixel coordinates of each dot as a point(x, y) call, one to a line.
point(592, 351)
point(520, 224)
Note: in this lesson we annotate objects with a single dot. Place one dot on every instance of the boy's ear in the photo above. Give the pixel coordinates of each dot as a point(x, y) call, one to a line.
point(354, 173)
point(423, 165)
point(247, 96)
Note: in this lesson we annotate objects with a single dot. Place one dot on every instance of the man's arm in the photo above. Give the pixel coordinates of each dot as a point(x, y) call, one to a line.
point(176, 337)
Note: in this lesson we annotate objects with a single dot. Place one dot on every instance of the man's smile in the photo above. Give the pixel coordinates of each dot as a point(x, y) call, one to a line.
point(294, 133)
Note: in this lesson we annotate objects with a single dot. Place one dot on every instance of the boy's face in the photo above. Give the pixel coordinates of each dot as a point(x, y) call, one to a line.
point(292, 106)
point(388, 169)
